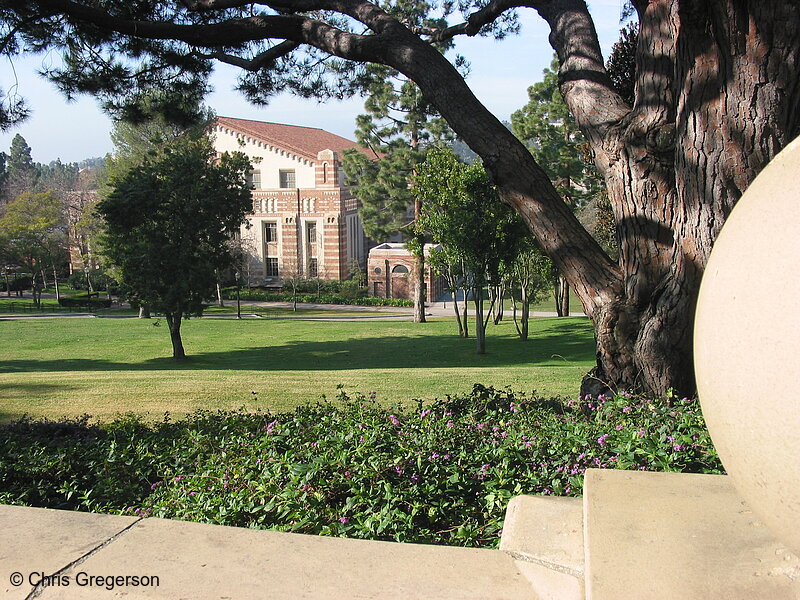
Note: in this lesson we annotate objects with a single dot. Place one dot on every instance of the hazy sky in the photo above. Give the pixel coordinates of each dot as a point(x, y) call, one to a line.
point(500, 75)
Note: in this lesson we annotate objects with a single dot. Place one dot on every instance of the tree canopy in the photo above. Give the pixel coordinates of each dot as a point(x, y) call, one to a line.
point(715, 100)
point(168, 222)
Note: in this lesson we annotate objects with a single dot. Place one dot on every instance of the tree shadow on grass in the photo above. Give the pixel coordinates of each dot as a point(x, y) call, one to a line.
point(562, 343)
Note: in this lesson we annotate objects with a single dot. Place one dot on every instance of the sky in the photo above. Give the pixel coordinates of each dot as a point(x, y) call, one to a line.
point(500, 74)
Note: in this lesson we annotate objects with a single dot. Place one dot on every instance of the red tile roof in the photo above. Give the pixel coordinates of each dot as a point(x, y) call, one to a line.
point(304, 141)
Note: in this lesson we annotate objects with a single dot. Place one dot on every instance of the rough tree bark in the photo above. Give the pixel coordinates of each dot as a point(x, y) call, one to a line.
point(716, 99)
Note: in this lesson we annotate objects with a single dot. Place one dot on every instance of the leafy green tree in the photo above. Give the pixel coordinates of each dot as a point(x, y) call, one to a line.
point(20, 169)
point(461, 212)
point(399, 126)
point(33, 236)
point(530, 275)
point(168, 223)
point(142, 131)
point(673, 162)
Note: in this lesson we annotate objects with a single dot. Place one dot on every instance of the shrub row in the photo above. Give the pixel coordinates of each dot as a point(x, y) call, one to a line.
point(84, 302)
point(263, 296)
point(437, 473)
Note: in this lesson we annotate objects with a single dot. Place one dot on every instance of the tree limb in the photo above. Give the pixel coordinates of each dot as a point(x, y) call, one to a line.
point(260, 61)
point(476, 20)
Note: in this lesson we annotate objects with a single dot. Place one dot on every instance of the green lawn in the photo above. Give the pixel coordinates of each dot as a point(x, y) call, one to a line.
point(55, 367)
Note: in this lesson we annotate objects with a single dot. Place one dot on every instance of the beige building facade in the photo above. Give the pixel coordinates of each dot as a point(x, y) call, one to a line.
point(305, 222)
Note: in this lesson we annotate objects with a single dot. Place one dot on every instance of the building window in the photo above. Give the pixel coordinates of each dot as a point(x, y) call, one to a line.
point(272, 267)
point(312, 268)
point(311, 232)
point(287, 179)
point(254, 180)
point(400, 269)
point(270, 232)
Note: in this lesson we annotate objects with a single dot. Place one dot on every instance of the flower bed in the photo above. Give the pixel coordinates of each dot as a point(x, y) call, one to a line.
point(438, 473)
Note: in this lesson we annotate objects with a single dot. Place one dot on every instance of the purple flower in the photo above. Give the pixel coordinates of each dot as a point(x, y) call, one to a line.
point(424, 413)
point(602, 439)
point(514, 408)
point(395, 421)
point(344, 520)
point(193, 493)
point(618, 427)
point(640, 433)
point(626, 409)
point(415, 478)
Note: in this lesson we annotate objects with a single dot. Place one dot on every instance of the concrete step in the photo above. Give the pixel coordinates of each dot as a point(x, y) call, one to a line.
point(670, 535)
point(544, 534)
point(182, 560)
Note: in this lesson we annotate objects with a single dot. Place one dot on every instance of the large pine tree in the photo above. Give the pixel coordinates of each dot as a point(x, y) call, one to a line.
point(716, 93)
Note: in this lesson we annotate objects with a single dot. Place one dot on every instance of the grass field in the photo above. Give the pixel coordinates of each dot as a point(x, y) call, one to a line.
point(103, 367)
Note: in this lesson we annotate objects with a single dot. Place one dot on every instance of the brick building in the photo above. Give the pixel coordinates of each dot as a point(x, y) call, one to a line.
point(305, 221)
point(389, 272)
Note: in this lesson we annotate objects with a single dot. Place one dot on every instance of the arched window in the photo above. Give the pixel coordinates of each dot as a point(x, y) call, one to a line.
point(400, 269)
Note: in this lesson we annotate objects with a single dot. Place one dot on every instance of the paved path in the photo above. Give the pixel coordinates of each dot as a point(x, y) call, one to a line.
point(386, 313)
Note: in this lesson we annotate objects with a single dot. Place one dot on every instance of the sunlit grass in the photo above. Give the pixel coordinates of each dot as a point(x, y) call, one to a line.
point(56, 367)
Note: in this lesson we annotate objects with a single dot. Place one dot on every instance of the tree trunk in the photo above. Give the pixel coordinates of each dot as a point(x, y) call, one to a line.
point(144, 311)
point(174, 323)
point(461, 332)
point(499, 291)
point(480, 324)
point(419, 288)
point(557, 296)
point(465, 318)
point(564, 296)
point(220, 301)
point(8, 284)
point(55, 282)
point(526, 311)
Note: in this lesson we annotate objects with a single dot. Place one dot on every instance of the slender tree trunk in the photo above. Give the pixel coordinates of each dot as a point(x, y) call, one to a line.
point(480, 326)
point(220, 301)
point(419, 288)
point(458, 314)
point(526, 306)
point(55, 282)
point(564, 296)
point(8, 284)
point(465, 318)
point(174, 324)
point(144, 311)
point(499, 291)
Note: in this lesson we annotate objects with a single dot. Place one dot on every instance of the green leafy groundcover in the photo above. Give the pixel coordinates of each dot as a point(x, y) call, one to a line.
point(441, 473)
